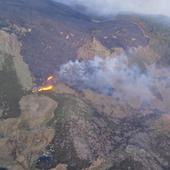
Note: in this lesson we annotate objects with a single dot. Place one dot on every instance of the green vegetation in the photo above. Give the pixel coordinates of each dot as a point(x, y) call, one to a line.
point(10, 89)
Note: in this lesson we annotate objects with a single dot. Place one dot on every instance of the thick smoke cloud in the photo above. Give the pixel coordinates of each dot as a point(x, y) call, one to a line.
point(113, 76)
point(112, 7)
point(99, 74)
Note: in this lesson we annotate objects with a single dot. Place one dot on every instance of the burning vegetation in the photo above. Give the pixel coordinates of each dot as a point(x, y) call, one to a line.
point(46, 88)
point(48, 85)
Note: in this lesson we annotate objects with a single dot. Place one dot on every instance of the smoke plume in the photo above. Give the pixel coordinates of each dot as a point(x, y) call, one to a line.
point(112, 7)
point(112, 76)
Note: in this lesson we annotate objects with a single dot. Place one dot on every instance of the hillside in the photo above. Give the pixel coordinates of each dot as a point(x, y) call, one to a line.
point(109, 105)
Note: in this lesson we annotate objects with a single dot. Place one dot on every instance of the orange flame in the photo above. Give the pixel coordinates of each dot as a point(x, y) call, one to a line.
point(50, 78)
point(46, 88)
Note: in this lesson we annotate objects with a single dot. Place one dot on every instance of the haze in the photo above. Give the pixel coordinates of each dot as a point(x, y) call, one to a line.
point(112, 7)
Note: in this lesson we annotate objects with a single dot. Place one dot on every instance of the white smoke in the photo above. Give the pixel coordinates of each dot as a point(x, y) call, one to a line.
point(111, 76)
point(112, 7)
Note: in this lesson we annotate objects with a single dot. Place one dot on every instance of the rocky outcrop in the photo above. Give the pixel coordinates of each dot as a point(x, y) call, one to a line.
point(23, 139)
point(91, 49)
point(15, 76)
point(94, 47)
point(37, 110)
point(9, 45)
